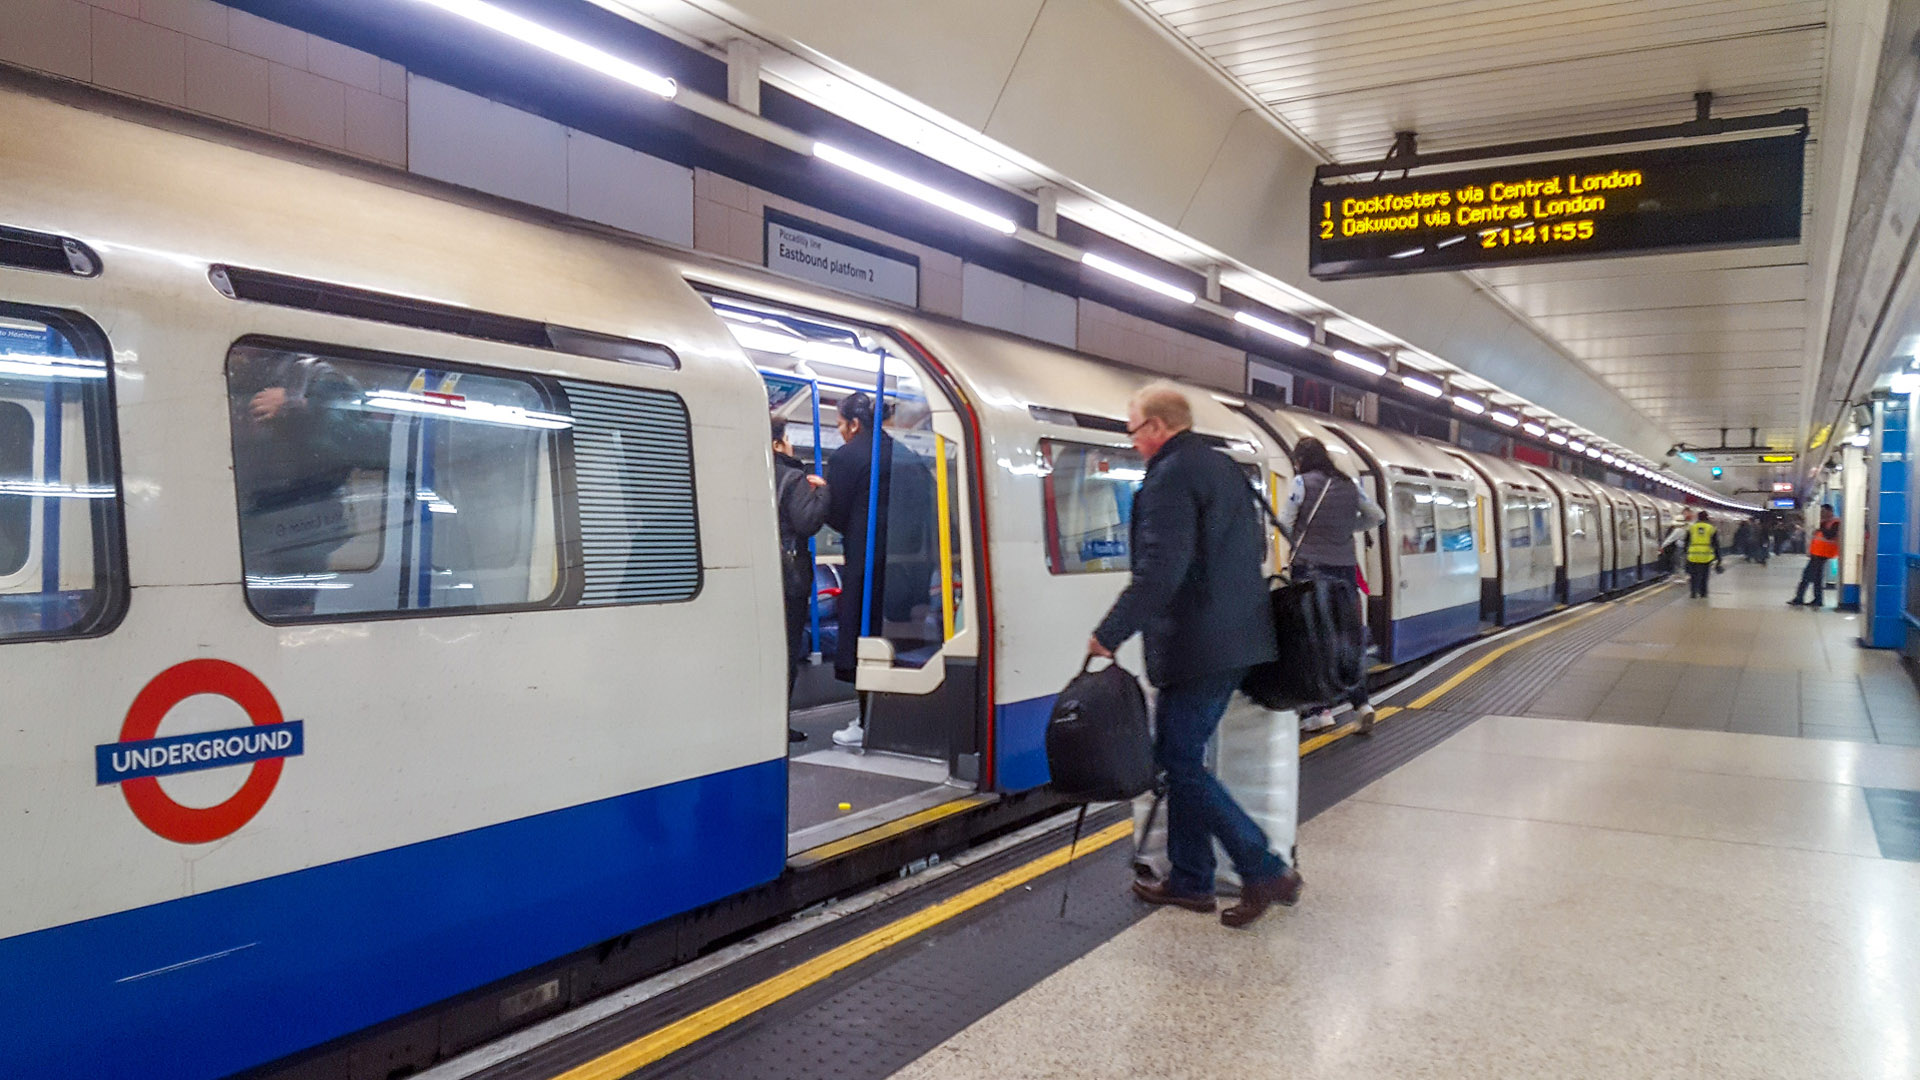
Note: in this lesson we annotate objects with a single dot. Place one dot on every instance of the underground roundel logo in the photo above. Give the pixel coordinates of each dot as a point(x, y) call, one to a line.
point(140, 757)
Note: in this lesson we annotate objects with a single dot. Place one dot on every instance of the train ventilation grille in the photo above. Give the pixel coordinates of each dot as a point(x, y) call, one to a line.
point(29, 250)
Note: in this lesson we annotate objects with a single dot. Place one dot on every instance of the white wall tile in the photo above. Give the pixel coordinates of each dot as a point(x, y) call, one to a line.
point(993, 299)
point(611, 184)
point(464, 139)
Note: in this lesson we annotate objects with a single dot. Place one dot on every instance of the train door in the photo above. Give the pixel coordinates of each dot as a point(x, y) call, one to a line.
point(1626, 531)
point(887, 707)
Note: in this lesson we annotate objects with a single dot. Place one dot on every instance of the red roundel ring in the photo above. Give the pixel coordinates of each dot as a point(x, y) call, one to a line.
point(186, 824)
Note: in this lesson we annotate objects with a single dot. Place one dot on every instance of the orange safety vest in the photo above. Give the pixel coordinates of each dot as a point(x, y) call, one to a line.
point(1820, 546)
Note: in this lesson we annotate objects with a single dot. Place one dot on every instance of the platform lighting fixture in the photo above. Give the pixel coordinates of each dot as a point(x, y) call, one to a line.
point(523, 29)
point(1471, 405)
point(1575, 445)
point(1533, 429)
point(1365, 363)
point(1556, 438)
point(1273, 329)
point(1504, 418)
point(880, 174)
point(1128, 273)
point(1609, 459)
point(1421, 386)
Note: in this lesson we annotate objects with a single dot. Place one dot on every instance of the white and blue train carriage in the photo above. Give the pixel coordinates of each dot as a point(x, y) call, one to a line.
point(1581, 544)
point(1521, 514)
point(526, 697)
point(390, 603)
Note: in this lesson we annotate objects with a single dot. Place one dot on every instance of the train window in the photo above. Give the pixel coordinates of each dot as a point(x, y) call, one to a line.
point(1453, 518)
point(1542, 526)
point(61, 555)
point(1413, 511)
point(633, 475)
point(1089, 504)
point(16, 511)
point(1519, 520)
point(1579, 519)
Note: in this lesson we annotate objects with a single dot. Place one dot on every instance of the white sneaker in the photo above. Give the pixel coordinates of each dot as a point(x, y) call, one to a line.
point(851, 735)
point(1317, 720)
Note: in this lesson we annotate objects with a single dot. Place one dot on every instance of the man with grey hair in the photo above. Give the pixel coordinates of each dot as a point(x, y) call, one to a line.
point(1199, 599)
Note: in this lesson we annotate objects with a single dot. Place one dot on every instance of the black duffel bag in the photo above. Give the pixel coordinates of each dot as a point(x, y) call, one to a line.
point(1316, 625)
point(1099, 748)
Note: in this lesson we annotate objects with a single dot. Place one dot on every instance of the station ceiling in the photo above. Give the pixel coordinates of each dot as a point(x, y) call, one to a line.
point(1696, 342)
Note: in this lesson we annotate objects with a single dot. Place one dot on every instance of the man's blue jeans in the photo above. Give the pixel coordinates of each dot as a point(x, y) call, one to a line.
point(1198, 807)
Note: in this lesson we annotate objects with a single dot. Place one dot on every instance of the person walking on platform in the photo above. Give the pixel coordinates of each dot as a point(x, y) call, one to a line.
point(1743, 540)
point(1703, 554)
point(1824, 544)
point(1197, 595)
point(1322, 512)
point(800, 498)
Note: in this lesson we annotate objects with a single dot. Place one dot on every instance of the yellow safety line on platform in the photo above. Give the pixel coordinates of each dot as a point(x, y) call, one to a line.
point(688, 1030)
point(815, 855)
point(1453, 682)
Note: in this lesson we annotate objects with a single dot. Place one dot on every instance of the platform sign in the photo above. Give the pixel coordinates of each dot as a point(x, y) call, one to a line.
point(1680, 198)
point(829, 257)
point(1784, 504)
point(1744, 457)
point(1783, 487)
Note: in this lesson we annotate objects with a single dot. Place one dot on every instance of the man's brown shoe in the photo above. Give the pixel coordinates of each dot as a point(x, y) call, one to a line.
point(1257, 896)
point(1158, 892)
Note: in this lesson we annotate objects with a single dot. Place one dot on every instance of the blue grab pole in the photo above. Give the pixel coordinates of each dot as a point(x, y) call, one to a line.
point(813, 549)
point(873, 500)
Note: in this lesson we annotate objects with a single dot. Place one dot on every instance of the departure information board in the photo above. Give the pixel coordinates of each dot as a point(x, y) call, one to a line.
point(1681, 198)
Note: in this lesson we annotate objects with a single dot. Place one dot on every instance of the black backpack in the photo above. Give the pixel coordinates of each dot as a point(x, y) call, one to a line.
point(1099, 748)
point(1317, 631)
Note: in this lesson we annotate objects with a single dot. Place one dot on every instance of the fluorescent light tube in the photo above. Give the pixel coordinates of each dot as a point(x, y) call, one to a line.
point(1504, 419)
point(1364, 363)
point(1556, 438)
point(1469, 404)
point(880, 174)
point(1421, 386)
point(1576, 445)
point(1533, 429)
point(1128, 273)
point(506, 22)
point(1273, 329)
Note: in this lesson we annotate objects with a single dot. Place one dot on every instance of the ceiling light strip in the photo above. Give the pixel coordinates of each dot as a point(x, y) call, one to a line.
point(880, 174)
point(1128, 273)
point(532, 33)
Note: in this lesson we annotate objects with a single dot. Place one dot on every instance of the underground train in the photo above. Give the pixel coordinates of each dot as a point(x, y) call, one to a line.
point(403, 564)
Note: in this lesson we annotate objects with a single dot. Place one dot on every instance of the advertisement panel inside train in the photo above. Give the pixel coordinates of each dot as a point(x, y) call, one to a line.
point(1680, 198)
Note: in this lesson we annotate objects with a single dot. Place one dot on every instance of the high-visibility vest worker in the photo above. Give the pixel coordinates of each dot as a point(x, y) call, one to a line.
point(1700, 542)
point(1821, 545)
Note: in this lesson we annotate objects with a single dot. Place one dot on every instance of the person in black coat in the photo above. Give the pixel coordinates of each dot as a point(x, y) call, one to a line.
point(898, 536)
point(801, 501)
point(1198, 597)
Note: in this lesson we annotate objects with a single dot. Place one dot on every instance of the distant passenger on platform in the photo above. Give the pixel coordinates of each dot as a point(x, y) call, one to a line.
point(1675, 544)
point(800, 498)
point(1198, 596)
point(1823, 545)
point(1703, 554)
point(1743, 540)
point(1324, 509)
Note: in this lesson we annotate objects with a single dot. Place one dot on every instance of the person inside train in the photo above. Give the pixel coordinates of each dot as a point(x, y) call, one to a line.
point(1197, 595)
point(1822, 545)
point(1703, 555)
point(298, 435)
point(800, 497)
point(1323, 510)
point(886, 518)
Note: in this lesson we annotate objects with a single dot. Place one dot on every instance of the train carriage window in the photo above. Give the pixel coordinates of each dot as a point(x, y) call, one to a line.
point(1413, 511)
point(1579, 518)
point(372, 484)
point(1089, 506)
point(61, 554)
point(1519, 519)
point(16, 510)
point(1453, 518)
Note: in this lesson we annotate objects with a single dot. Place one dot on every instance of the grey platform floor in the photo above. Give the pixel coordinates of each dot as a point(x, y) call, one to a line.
point(1742, 661)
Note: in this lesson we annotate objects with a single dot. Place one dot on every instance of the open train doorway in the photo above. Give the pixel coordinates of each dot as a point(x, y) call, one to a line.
point(885, 712)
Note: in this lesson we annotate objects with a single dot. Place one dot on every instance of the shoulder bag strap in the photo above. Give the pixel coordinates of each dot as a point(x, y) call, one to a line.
point(1294, 555)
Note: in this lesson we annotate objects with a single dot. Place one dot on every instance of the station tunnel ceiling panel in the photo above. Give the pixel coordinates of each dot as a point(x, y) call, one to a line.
point(1696, 341)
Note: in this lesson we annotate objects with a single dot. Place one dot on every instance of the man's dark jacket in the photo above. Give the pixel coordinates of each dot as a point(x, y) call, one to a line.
point(1197, 593)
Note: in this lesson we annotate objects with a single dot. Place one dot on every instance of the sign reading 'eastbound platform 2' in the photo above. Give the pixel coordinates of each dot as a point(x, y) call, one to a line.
point(1680, 198)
